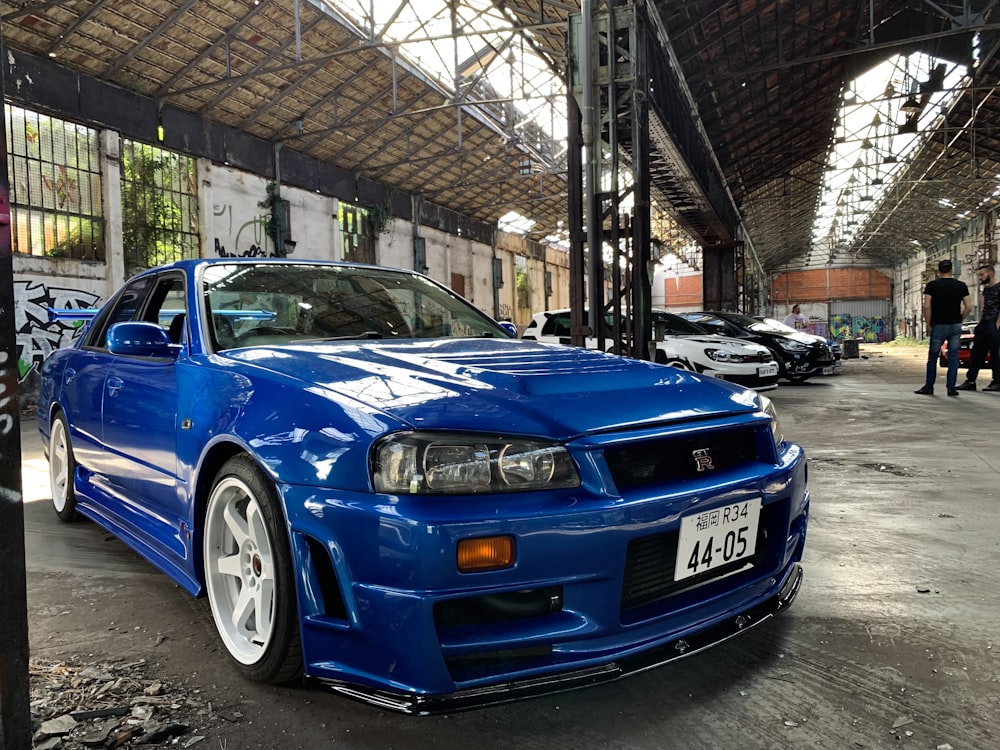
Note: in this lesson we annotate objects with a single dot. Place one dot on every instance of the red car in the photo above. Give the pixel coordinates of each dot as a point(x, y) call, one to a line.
point(964, 349)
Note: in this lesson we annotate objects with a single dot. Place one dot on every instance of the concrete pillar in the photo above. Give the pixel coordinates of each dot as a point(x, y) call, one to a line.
point(111, 185)
point(206, 209)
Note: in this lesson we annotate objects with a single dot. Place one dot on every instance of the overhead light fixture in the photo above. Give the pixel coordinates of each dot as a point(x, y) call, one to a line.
point(911, 105)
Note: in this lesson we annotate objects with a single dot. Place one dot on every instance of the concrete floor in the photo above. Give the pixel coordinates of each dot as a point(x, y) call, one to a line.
point(893, 641)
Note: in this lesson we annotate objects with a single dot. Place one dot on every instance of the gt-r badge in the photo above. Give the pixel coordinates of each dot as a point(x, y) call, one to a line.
point(702, 460)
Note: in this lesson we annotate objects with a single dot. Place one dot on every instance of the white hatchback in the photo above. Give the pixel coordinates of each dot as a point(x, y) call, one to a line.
point(682, 344)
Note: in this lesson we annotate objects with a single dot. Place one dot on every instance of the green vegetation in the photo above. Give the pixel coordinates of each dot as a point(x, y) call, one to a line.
point(154, 226)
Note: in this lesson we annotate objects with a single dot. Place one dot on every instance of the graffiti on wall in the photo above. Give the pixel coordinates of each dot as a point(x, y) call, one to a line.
point(870, 330)
point(36, 336)
point(6, 418)
point(250, 239)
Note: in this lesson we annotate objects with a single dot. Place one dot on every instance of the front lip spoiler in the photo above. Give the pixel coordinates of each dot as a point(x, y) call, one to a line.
point(424, 705)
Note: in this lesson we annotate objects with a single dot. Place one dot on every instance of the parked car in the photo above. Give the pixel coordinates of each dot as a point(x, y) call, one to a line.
point(964, 347)
point(681, 344)
point(799, 355)
point(838, 353)
point(375, 486)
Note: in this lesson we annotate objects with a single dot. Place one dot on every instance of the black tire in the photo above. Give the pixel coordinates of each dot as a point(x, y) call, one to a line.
point(248, 566)
point(62, 469)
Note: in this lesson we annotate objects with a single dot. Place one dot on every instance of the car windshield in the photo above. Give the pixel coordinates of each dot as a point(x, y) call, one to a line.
point(750, 324)
point(675, 325)
point(777, 325)
point(268, 303)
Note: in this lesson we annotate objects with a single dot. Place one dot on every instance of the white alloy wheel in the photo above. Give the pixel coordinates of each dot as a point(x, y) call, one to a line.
point(240, 575)
point(247, 574)
point(61, 469)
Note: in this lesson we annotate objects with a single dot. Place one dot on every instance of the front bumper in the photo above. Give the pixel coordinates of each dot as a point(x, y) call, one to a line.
point(593, 594)
point(642, 661)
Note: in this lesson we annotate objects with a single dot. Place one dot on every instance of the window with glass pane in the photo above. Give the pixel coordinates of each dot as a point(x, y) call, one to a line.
point(55, 186)
point(357, 234)
point(159, 206)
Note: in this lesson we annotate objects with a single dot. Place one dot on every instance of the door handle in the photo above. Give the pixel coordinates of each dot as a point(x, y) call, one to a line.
point(114, 385)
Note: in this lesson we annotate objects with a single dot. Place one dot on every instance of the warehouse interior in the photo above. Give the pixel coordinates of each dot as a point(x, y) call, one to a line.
point(750, 146)
point(753, 154)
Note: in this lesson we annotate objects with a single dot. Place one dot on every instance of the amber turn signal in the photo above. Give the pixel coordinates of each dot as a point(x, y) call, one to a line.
point(485, 553)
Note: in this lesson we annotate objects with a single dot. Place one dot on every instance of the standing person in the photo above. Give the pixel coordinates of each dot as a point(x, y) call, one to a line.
point(946, 303)
point(796, 319)
point(987, 335)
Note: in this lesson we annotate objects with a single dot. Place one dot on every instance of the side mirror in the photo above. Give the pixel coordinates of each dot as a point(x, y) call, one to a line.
point(509, 327)
point(141, 340)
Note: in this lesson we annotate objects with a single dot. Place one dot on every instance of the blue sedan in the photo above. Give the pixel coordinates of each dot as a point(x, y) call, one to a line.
point(378, 488)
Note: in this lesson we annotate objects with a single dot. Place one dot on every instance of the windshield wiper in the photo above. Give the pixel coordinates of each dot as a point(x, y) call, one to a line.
point(351, 337)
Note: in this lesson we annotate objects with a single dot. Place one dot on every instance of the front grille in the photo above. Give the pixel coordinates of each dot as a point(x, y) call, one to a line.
point(649, 565)
point(674, 458)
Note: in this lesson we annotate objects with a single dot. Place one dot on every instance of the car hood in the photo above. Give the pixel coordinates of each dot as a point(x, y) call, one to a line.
point(727, 342)
point(499, 386)
point(809, 339)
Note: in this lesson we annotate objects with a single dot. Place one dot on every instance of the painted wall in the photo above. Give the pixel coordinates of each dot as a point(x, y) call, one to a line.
point(679, 291)
point(40, 284)
point(233, 225)
point(825, 284)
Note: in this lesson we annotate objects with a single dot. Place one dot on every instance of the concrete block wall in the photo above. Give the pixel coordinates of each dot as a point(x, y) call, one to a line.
point(824, 284)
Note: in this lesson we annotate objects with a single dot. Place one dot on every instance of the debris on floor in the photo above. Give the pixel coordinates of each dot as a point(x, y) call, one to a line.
point(111, 705)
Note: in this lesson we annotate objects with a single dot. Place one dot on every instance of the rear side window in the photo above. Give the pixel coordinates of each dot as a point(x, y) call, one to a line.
point(557, 325)
point(155, 299)
point(125, 307)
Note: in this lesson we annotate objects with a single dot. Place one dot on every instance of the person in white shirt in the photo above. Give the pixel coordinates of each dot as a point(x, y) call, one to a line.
point(796, 319)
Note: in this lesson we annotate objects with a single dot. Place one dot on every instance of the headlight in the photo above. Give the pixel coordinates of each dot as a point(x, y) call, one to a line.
point(427, 463)
point(721, 355)
point(770, 411)
point(790, 345)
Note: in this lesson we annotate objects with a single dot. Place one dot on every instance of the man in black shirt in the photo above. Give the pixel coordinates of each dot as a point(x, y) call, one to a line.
point(987, 336)
point(946, 303)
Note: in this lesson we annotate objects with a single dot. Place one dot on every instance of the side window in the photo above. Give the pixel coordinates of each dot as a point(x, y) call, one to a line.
point(557, 325)
point(152, 299)
point(125, 307)
point(167, 307)
point(715, 325)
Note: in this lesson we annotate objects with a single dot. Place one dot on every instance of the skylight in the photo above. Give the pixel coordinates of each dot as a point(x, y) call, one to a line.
point(471, 49)
point(886, 114)
point(515, 223)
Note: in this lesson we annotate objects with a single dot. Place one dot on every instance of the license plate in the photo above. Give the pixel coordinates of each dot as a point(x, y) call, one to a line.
point(829, 370)
point(716, 537)
point(767, 371)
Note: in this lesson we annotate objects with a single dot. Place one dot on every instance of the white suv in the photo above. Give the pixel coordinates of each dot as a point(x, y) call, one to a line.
point(680, 343)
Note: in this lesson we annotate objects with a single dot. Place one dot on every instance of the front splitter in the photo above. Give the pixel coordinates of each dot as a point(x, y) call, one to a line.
point(462, 700)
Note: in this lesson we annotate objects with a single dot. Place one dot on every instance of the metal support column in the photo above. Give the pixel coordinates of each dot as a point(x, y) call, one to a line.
point(609, 83)
point(15, 713)
point(577, 240)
